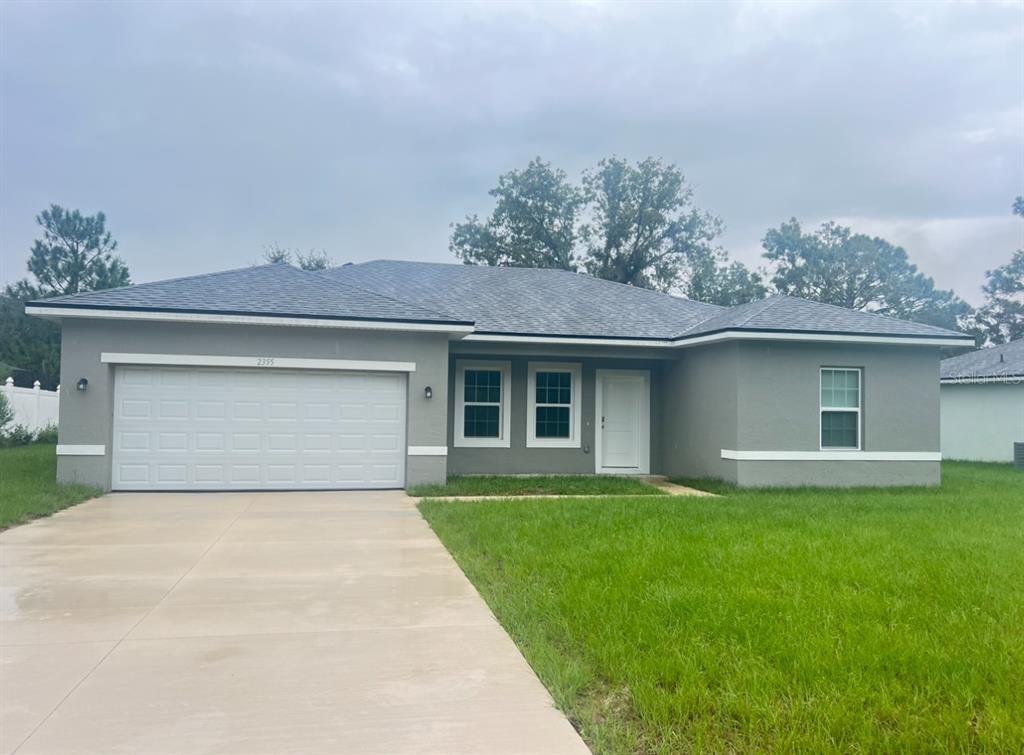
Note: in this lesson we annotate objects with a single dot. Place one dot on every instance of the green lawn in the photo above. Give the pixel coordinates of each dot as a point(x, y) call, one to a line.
point(543, 485)
point(793, 621)
point(28, 486)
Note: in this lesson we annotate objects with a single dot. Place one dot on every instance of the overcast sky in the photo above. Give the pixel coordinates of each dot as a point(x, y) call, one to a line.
point(206, 130)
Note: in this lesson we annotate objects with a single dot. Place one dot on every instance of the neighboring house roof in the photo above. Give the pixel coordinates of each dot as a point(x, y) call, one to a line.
point(492, 302)
point(985, 365)
point(277, 290)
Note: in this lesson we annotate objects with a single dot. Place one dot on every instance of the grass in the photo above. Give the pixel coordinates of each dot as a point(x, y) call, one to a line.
point(28, 484)
point(537, 485)
point(780, 621)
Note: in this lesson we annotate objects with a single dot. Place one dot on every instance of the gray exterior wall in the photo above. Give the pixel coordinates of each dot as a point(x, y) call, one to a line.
point(518, 459)
point(700, 412)
point(764, 396)
point(87, 418)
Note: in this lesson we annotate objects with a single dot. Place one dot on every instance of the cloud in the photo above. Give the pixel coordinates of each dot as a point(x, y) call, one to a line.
point(206, 131)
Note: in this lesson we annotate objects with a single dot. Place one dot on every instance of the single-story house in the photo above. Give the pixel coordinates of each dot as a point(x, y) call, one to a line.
point(982, 401)
point(386, 374)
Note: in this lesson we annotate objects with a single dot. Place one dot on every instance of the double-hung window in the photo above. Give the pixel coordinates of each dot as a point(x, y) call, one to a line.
point(481, 404)
point(840, 408)
point(553, 405)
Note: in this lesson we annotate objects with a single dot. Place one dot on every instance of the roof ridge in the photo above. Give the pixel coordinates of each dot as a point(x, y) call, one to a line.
point(768, 301)
point(322, 274)
point(648, 290)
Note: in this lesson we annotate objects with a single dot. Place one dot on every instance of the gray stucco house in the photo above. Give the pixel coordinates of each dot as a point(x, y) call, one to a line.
point(982, 400)
point(390, 373)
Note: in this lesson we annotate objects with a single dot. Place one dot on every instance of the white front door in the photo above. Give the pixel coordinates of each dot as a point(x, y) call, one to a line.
point(623, 412)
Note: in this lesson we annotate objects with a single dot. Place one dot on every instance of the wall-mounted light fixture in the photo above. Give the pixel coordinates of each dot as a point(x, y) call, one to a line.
point(83, 383)
point(428, 392)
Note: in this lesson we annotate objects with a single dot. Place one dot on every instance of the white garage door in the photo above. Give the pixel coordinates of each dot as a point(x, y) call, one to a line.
point(202, 428)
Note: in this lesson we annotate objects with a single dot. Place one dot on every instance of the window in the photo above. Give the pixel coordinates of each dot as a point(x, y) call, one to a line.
point(840, 408)
point(481, 404)
point(553, 405)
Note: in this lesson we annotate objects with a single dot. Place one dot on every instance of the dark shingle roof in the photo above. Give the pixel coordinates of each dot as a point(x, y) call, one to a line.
point(788, 313)
point(496, 300)
point(268, 290)
point(994, 362)
point(530, 301)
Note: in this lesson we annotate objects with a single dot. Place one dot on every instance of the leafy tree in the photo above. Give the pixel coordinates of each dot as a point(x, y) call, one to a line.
point(836, 266)
point(634, 224)
point(534, 222)
point(74, 255)
point(316, 259)
point(644, 227)
point(1001, 318)
point(712, 278)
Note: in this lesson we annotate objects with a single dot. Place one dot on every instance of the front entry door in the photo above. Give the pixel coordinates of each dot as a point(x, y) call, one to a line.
point(623, 412)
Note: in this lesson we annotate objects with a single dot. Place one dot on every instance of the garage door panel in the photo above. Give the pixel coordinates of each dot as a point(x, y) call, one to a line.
point(215, 428)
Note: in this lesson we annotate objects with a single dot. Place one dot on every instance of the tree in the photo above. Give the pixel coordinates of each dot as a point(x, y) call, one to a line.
point(1001, 318)
point(836, 266)
point(534, 222)
point(634, 224)
point(644, 227)
point(316, 259)
point(74, 255)
point(712, 278)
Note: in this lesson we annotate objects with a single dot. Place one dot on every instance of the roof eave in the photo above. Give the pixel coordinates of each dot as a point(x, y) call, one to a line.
point(166, 314)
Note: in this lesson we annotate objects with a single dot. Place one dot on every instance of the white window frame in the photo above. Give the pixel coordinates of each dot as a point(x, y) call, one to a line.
point(575, 414)
point(504, 420)
point(852, 410)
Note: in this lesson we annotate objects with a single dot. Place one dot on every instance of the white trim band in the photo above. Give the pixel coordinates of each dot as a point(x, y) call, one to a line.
point(300, 322)
point(80, 449)
point(832, 455)
point(428, 450)
point(261, 362)
point(745, 335)
point(730, 335)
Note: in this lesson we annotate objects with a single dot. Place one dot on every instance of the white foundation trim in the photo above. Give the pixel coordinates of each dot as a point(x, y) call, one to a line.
point(288, 363)
point(832, 455)
point(428, 450)
point(80, 449)
point(301, 322)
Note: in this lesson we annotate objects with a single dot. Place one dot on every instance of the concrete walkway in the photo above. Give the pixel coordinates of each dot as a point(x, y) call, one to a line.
point(255, 623)
point(657, 481)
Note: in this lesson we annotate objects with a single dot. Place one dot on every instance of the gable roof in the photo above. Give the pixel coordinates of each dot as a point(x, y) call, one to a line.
point(992, 363)
point(277, 290)
point(492, 303)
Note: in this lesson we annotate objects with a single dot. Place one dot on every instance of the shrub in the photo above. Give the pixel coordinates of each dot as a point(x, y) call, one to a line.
point(16, 435)
point(6, 413)
point(47, 435)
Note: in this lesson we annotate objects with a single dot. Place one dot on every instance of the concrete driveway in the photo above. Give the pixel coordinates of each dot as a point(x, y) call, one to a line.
point(255, 623)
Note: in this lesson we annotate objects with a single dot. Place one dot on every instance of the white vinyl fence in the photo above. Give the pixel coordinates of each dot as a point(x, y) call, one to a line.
point(33, 407)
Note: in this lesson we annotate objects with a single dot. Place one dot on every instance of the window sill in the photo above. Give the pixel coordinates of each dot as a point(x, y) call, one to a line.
point(552, 443)
point(481, 443)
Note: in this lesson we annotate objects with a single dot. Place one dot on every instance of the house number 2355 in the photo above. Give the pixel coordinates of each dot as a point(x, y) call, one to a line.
point(264, 361)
